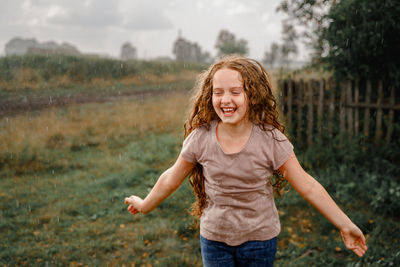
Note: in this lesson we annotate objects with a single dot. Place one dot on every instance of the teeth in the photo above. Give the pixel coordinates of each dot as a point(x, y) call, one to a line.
point(227, 109)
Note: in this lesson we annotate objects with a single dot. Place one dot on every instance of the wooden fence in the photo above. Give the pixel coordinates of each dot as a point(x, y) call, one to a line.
point(319, 107)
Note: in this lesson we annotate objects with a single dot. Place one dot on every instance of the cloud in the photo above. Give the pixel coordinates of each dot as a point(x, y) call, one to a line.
point(90, 14)
point(235, 8)
point(145, 15)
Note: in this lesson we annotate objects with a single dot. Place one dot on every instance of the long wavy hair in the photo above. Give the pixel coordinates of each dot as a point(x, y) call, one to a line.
point(262, 111)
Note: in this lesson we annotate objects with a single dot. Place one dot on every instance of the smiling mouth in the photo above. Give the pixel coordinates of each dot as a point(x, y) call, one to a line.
point(228, 110)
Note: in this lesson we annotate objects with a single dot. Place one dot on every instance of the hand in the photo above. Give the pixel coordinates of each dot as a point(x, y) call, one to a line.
point(354, 240)
point(135, 204)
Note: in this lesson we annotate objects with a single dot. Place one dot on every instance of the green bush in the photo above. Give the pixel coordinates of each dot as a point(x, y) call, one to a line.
point(354, 168)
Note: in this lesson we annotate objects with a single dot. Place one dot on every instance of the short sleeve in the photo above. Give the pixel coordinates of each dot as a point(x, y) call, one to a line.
point(190, 147)
point(281, 149)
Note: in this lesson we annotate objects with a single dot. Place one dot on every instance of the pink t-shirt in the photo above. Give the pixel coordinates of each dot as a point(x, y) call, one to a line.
point(240, 203)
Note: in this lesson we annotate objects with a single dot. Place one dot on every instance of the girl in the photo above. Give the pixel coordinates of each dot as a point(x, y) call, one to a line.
point(233, 144)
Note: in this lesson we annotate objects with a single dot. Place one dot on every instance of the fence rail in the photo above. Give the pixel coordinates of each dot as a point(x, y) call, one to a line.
point(313, 107)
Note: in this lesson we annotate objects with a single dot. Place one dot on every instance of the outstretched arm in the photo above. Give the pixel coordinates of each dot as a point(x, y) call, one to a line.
point(168, 182)
point(315, 193)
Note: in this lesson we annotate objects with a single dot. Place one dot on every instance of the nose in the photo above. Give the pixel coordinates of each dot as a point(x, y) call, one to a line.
point(226, 98)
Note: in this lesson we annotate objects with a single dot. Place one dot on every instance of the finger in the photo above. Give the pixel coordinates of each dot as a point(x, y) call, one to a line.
point(363, 242)
point(132, 210)
point(364, 246)
point(357, 251)
point(128, 200)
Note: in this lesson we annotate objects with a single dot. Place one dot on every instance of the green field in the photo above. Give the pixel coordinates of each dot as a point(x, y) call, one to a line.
point(65, 171)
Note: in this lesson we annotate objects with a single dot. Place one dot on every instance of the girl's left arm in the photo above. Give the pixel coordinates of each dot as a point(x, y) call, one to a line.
point(315, 193)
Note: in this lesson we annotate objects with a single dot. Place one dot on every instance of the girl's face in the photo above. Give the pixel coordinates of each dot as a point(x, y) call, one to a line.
point(228, 97)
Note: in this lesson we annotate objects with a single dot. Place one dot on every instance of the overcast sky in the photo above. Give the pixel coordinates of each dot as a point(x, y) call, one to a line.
point(152, 26)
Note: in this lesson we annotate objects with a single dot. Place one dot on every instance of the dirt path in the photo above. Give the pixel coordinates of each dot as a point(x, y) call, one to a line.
point(9, 106)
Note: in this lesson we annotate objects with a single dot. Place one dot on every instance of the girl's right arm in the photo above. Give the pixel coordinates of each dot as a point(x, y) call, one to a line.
point(168, 182)
point(316, 194)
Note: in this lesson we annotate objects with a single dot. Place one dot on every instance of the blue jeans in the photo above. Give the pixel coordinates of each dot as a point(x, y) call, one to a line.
point(249, 254)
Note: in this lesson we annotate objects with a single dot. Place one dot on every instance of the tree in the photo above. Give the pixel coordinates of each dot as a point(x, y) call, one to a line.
point(271, 56)
point(227, 44)
point(310, 17)
point(354, 38)
point(128, 51)
point(362, 39)
point(189, 52)
point(289, 47)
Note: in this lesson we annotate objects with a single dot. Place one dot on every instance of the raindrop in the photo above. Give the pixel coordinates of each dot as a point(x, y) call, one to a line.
point(52, 171)
point(120, 157)
point(47, 128)
point(347, 41)
point(58, 219)
point(17, 203)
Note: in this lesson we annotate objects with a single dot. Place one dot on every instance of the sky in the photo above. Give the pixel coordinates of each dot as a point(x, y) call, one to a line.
point(152, 26)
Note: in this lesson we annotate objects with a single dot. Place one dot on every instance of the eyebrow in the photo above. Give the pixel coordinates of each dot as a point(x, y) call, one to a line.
point(230, 88)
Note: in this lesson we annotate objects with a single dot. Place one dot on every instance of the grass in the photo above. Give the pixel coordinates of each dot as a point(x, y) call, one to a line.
point(62, 192)
point(63, 182)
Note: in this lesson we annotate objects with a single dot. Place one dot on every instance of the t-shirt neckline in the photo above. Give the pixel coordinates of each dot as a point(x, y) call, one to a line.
point(214, 133)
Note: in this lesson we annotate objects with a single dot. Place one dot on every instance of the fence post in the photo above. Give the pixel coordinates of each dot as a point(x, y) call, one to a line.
point(331, 107)
point(310, 115)
point(349, 109)
point(342, 115)
point(290, 103)
point(367, 111)
point(379, 113)
point(299, 97)
point(281, 85)
point(356, 112)
point(320, 106)
point(390, 116)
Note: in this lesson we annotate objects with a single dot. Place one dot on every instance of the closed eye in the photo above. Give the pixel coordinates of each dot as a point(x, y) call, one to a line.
point(217, 93)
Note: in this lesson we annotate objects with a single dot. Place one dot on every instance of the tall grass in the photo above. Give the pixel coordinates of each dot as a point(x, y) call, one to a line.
point(38, 72)
point(75, 127)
